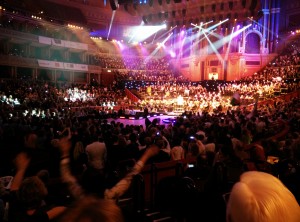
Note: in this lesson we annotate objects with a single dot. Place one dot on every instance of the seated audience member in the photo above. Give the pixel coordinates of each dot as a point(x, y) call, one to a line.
point(227, 166)
point(27, 196)
point(257, 159)
point(177, 152)
point(210, 145)
point(199, 172)
point(132, 148)
point(261, 197)
point(193, 151)
point(161, 156)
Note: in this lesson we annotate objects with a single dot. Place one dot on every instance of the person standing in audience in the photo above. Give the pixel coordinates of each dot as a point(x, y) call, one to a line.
point(79, 160)
point(96, 152)
point(94, 176)
point(89, 207)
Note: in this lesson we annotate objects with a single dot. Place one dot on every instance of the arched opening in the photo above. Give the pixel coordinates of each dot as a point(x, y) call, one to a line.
point(252, 43)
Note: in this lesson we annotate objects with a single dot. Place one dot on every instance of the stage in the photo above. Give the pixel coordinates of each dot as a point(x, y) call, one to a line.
point(163, 120)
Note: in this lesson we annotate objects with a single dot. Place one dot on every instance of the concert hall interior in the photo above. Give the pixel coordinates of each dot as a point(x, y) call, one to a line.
point(149, 110)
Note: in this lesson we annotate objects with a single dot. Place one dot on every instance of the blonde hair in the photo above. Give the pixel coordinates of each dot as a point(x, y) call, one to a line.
point(261, 197)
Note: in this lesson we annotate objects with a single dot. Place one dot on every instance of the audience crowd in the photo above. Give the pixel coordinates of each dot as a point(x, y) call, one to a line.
point(66, 161)
point(99, 146)
point(285, 66)
point(35, 116)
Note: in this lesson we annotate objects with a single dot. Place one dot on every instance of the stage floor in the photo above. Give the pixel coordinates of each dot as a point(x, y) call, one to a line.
point(142, 121)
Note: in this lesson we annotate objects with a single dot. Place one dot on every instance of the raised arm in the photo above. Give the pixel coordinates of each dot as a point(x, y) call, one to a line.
point(122, 186)
point(21, 162)
point(75, 189)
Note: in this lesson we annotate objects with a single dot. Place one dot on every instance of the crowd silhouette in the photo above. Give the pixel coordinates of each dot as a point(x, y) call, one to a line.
point(67, 161)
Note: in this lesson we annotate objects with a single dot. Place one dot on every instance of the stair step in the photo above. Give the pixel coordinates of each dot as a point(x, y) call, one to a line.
point(152, 214)
point(157, 216)
point(165, 219)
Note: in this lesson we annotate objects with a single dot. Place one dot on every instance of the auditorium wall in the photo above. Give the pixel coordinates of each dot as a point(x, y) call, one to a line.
point(237, 66)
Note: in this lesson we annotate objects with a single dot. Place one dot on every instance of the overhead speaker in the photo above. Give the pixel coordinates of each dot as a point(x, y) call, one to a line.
point(114, 4)
point(160, 2)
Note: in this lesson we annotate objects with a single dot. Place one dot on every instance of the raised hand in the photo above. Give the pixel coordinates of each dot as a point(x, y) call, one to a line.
point(64, 145)
point(22, 161)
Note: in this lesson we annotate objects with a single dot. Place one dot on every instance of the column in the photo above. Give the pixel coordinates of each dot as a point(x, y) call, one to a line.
point(265, 26)
point(34, 74)
point(88, 78)
point(14, 72)
point(276, 30)
point(54, 75)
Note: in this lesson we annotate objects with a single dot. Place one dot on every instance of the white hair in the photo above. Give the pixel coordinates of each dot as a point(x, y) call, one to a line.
point(261, 197)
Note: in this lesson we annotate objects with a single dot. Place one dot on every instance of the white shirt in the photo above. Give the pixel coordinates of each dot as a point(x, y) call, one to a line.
point(177, 153)
point(96, 153)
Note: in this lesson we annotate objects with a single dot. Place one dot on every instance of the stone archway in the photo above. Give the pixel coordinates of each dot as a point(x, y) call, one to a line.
point(253, 42)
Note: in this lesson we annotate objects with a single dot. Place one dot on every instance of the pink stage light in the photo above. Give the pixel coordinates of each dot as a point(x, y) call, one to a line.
point(121, 46)
point(172, 54)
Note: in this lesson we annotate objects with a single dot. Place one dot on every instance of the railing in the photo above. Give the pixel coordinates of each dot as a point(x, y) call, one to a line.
point(18, 61)
point(131, 96)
